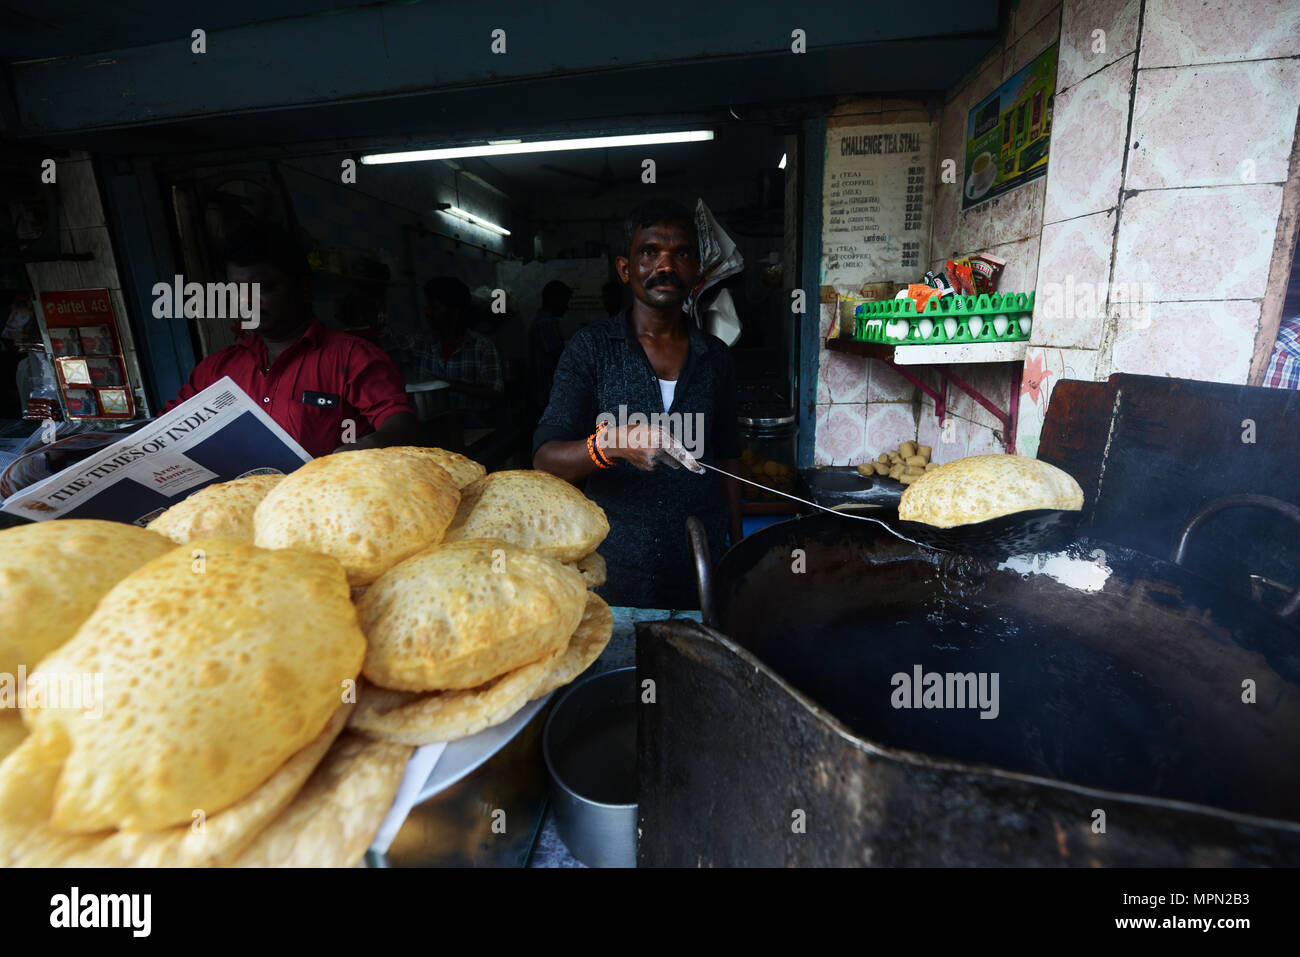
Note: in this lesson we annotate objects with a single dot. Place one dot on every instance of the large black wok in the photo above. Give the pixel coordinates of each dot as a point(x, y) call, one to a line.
point(1143, 716)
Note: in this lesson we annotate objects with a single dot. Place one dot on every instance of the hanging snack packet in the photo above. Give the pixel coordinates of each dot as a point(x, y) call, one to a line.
point(985, 270)
point(959, 272)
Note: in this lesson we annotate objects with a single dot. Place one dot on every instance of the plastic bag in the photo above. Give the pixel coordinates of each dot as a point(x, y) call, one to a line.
point(719, 257)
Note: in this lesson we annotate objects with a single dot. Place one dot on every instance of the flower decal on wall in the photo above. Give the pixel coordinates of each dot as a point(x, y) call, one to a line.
point(1034, 381)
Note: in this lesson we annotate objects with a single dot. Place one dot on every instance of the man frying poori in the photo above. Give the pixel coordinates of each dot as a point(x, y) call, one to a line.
point(634, 398)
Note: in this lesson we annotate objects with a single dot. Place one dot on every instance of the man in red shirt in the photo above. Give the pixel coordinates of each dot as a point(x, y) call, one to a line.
point(329, 390)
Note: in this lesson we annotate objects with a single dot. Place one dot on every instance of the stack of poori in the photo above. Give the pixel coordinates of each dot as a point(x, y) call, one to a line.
point(226, 670)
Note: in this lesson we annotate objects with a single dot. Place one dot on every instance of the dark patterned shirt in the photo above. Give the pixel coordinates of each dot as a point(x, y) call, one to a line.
point(604, 367)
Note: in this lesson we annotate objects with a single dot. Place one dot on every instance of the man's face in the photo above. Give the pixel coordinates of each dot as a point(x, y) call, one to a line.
point(663, 267)
point(281, 298)
point(439, 314)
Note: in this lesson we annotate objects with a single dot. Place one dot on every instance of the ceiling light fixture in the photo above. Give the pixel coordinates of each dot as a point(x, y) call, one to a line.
point(781, 165)
point(513, 147)
point(469, 217)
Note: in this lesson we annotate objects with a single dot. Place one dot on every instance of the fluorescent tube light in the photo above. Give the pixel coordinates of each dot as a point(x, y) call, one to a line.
point(512, 147)
point(476, 220)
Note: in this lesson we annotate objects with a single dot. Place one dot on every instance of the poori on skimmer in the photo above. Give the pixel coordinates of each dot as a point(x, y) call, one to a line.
point(982, 487)
point(368, 508)
point(461, 613)
point(530, 508)
point(219, 660)
point(225, 509)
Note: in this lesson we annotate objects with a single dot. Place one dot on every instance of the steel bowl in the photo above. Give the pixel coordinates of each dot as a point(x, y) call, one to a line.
point(590, 750)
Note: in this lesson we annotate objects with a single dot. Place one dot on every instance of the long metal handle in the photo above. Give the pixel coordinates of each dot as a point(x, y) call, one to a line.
point(699, 540)
point(1292, 604)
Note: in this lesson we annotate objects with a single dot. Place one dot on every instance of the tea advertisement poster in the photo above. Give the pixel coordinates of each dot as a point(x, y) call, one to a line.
point(1008, 131)
point(876, 203)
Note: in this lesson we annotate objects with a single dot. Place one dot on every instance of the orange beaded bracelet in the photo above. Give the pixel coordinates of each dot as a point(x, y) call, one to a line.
point(596, 455)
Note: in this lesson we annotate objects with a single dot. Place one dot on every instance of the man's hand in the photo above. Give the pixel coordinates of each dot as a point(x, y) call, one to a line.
point(646, 447)
point(400, 428)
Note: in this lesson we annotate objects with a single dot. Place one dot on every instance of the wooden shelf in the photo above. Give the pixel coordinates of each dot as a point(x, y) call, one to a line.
point(947, 354)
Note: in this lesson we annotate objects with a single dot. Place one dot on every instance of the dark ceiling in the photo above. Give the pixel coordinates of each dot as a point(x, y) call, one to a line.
point(298, 75)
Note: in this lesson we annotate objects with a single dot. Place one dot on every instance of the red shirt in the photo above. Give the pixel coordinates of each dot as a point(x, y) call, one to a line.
point(321, 380)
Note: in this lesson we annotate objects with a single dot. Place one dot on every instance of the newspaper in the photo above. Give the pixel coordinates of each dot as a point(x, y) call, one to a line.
point(218, 435)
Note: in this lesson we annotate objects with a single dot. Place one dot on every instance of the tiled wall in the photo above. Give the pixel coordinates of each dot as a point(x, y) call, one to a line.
point(83, 228)
point(1170, 145)
point(1172, 128)
point(849, 431)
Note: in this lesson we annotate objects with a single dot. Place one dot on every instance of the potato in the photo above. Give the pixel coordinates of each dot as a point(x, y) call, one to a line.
point(867, 468)
point(931, 466)
point(914, 460)
point(907, 479)
point(896, 472)
point(924, 450)
point(883, 458)
point(913, 470)
point(907, 448)
point(882, 468)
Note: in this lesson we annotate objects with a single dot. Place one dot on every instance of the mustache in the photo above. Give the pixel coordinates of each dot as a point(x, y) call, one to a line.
point(666, 280)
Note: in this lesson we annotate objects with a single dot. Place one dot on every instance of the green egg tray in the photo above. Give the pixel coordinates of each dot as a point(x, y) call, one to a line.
point(874, 320)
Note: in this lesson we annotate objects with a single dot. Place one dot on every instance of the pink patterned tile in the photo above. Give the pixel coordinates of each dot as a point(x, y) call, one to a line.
point(991, 380)
point(1038, 37)
point(839, 434)
point(985, 441)
point(1083, 50)
point(1021, 270)
point(1167, 238)
point(1183, 136)
point(1071, 288)
point(888, 423)
point(1210, 341)
point(1181, 32)
point(886, 385)
point(845, 377)
point(929, 433)
point(1089, 130)
point(1017, 214)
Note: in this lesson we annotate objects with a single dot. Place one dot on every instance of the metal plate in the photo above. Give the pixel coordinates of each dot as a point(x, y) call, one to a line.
point(467, 755)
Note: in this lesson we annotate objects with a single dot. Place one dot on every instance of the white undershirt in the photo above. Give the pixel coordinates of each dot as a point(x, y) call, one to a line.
point(666, 389)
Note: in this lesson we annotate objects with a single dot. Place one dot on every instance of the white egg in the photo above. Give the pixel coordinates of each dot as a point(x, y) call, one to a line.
point(897, 329)
point(975, 324)
point(1025, 323)
point(927, 327)
point(950, 327)
point(1000, 324)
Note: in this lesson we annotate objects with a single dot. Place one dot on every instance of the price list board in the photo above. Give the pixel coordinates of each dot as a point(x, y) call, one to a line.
point(876, 204)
